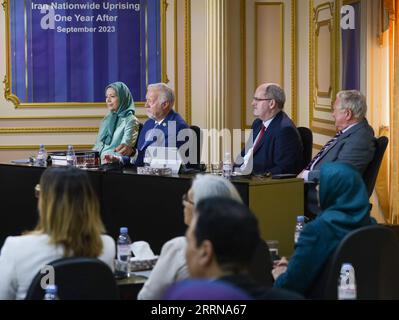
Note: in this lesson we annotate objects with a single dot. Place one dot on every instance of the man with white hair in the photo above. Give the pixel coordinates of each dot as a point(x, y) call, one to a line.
point(354, 142)
point(161, 129)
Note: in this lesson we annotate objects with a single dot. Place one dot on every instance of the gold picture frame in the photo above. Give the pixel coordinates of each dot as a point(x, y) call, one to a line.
point(318, 124)
point(10, 96)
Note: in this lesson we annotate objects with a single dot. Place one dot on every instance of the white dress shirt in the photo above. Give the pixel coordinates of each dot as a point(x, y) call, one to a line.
point(249, 155)
point(170, 268)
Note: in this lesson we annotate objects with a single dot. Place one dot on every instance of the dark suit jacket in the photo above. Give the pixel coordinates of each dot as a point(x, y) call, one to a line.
point(280, 149)
point(356, 147)
point(165, 135)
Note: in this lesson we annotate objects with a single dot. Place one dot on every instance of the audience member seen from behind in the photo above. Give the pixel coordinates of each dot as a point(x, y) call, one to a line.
point(69, 225)
point(119, 129)
point(354, 142)
point(171, 265)
point(221, 241)
point(276, 146)
point(199, 289)
point(345, 207)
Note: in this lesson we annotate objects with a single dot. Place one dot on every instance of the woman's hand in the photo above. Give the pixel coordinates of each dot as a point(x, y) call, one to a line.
point(125, 150)
point(109, 158)
point(279, 267)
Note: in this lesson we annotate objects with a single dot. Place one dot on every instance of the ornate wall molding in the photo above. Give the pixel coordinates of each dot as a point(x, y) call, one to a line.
point(48, 147)
point(187, 59)
point(243, 40)
point(18, 104)
point(26, 130)
point(281, 45)
point(293, 77)
point(294, 64)
point(164, 68)
point(51, 117)
point(324, 15)
point(216, 72)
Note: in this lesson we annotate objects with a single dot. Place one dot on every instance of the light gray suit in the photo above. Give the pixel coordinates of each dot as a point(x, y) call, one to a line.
point(356, 147)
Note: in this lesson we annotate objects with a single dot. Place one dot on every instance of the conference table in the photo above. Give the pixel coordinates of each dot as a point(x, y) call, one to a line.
point(151, 206)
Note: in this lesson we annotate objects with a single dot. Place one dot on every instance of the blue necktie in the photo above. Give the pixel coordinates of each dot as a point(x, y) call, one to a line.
point(326, 146)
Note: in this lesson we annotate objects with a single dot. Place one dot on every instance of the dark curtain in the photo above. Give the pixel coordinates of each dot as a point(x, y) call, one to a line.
point(351, 53)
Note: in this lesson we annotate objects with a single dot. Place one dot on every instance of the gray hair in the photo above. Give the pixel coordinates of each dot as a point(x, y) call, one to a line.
point(166, 93)
point(209, 186)
point(275, 92)
point(354, 101)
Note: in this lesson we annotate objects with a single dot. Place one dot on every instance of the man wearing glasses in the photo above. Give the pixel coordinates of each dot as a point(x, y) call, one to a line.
point(276, 147)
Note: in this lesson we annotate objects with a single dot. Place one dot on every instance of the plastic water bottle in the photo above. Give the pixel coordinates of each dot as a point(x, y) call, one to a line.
point(124, 252)
point(51, 293)
point(227, 167)
point(300, 223)
point(71, 157)
point(347, 283)
point(41, 159)
point(147, 161)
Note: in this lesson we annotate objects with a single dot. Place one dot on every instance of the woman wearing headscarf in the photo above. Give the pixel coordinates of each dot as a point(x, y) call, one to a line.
point(345, 207)
point(119, 129)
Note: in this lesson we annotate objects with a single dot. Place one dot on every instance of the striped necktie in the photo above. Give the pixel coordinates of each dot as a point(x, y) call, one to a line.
point(326, 146)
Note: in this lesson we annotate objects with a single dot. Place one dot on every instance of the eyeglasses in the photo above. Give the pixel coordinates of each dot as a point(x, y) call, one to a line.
point(261, 99)
point(37, 190)
point(186, 199)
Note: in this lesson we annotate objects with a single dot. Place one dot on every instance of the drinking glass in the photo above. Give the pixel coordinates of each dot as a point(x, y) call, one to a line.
point(216, 168)
point(89, 160)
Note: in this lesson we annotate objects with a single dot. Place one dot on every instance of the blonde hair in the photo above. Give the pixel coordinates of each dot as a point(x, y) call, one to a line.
point(69, 212)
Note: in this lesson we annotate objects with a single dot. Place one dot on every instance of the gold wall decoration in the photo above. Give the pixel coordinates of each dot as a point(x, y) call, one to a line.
point(187, 58)
point(294, 63)
point(293, 55)
point(48, 147)
point(323, 25)
point(322, 60)
point(83, 117)
point(243, 41)
point(26, 130)
point(164, 66)
point(279, 45)
point(13, 118)
point(10, 96)
point(176, 75)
